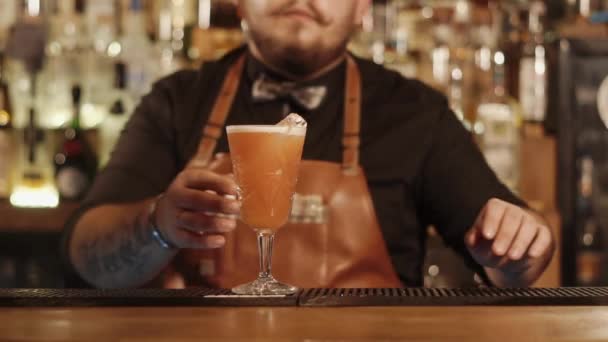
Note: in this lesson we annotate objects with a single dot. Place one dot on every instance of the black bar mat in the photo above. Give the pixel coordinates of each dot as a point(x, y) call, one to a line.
point(137, 297)
point(454, 297)
point(307, 297)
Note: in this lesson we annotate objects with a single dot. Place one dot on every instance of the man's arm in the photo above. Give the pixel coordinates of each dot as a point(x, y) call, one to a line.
point(113, 246)
point(458, 187)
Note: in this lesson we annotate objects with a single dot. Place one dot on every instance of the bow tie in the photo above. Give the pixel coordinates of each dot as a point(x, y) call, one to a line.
point(267, 89)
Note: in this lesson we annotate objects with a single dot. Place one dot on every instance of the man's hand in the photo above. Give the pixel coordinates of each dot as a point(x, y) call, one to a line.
point(512, 243)
point(198, 208)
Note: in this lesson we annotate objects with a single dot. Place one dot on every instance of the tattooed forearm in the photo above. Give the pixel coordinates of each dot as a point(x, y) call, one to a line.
point(117, 251)
point(126, 255)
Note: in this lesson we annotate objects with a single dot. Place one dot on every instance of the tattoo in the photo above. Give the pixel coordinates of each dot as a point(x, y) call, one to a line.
point(119, 254)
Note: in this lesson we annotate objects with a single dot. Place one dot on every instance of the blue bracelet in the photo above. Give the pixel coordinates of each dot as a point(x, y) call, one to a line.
point(158, 236)
point(161, 240)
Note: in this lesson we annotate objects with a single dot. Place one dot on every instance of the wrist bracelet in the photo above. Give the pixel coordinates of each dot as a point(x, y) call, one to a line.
point(158, 236)
point(161, 240)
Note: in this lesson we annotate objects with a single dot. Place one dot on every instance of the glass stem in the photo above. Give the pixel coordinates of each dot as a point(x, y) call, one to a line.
point(265, 241)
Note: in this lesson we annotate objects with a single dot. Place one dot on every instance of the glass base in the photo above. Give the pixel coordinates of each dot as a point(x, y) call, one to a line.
point(265, 287)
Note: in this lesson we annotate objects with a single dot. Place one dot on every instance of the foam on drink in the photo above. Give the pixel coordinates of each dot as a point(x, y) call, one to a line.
point(292, 124)
point(266, 129)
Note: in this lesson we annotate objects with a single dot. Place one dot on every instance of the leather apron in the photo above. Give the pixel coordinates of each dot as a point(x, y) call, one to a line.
point(344, 249)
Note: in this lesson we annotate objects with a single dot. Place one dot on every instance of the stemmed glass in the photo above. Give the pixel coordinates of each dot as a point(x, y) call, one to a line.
point(265, 161)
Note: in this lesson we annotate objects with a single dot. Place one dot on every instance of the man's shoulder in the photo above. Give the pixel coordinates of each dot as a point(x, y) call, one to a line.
point(388, 86)
point(399, 98)
point(178, 78)
point(182, 79)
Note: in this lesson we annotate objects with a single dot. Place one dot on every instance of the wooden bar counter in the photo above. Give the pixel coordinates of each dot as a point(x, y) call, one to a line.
point(299, 323)
point(489, 314)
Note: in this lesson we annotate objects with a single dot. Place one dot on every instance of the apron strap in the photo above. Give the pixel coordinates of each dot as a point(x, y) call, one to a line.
point(352, 118)
point(213, 129)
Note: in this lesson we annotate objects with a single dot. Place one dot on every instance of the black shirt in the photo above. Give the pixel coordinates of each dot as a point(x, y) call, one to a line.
point(422, 166)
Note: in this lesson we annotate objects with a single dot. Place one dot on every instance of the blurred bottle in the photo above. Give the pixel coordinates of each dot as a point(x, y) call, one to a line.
point(75, 55)
point(6, 135)
point(8, 16)
point(570, 10)
point(137, 52)
point(462, 62)
point(61, 67)
point(120, 110)
point(68, 32)
point(455, 94)
point(398, 54)
point(586, 8)
point(590, 244)
point(510, 32)
point(440, 53)
point(24, 61)
point(383, 19)
point(485, 40)
point(181, 15)
point(216, 29)
point(498, 127)
point(102, 20)
point(584, 19)
point(30, 27)
point(533, 67)
point(361, 42)
point(34, 185)
point(170, 42)
point(100, 48)
point(76, 162)
point(53, 92)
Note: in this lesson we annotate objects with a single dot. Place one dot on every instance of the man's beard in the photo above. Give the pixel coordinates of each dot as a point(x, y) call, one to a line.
point(293, 59)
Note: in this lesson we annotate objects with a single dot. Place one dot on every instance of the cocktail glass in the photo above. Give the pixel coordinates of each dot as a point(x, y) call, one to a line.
point(265, 160)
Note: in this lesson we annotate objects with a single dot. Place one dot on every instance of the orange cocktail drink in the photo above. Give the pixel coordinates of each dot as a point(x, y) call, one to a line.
point(265, 163)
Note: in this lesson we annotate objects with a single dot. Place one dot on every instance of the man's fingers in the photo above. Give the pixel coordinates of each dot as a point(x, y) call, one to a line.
point(471, 237)
point(492, 218)
point(187, 239)
point(210, 241)
point(206, 201)
point(541, 243)
point(202, 179)
point(504, 234)
point(198, 222)
point(526, 234)
point(474, 234)
point(508, 228)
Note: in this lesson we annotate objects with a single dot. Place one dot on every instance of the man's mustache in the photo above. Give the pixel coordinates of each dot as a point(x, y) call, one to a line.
point(309, 8)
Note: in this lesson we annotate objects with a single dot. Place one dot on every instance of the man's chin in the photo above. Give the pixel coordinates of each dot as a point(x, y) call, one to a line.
point(301, 40)
point(299, 54)
point(300, 48)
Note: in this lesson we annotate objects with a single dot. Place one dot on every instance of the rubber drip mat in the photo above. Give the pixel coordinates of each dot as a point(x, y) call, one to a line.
point(307, 297)
point(137, 297)
point(452, 297)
